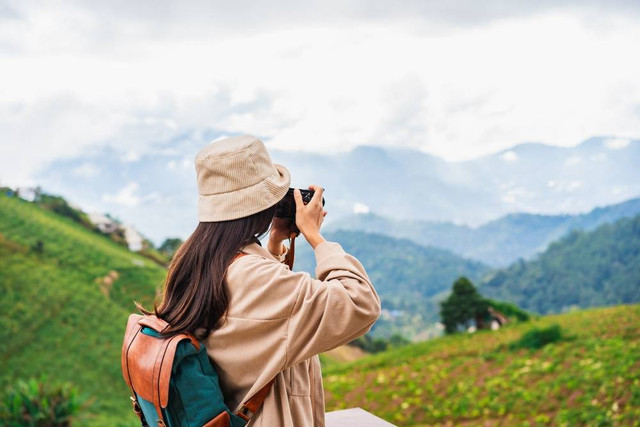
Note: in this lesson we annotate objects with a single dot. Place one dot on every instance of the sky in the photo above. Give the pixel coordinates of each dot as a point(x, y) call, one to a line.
point(456, 79)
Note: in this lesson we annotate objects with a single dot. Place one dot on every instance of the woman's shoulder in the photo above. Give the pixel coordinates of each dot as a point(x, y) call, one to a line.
point(262, 287)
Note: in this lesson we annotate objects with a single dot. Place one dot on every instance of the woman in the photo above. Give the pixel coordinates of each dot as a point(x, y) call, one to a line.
point(259, 320)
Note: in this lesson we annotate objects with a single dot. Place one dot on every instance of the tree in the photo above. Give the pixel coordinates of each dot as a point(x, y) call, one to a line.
point(464, 304)
point(170, 246)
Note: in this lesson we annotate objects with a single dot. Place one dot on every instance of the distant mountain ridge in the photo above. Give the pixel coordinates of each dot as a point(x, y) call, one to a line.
point(497, 243)
point(156, 191)
point(583, 269)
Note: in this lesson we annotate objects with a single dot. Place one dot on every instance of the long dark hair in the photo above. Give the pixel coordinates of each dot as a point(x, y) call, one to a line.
point(195, 294)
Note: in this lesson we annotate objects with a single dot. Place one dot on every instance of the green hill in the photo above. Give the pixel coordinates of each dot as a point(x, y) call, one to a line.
point(583, 269)
point(409, 278)
point(591, 377)
point(66, 294)
point(65, 302)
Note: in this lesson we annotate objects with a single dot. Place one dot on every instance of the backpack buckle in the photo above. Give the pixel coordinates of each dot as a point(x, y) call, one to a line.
point(135, 405)
point(245, 413)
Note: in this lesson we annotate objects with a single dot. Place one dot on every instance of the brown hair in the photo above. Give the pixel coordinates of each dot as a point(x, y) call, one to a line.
point(195, 294)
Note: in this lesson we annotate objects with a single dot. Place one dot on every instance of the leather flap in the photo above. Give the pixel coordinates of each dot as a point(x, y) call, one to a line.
point(154, 323)
point(150, 361)
point(130, 332)
point(147, 361)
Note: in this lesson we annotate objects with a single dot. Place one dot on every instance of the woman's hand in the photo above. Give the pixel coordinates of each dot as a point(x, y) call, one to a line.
point(309, 217)
point(280, 231)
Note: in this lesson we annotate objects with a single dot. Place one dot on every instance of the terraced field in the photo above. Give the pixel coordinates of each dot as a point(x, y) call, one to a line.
point(591, 377)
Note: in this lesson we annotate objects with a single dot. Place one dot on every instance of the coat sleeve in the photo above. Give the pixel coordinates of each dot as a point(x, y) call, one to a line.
point(337, 307)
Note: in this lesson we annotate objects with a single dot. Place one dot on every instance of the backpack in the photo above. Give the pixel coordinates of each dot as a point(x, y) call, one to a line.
point(172, 380)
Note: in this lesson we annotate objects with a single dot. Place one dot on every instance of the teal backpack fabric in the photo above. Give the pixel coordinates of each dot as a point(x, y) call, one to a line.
point(195, 396)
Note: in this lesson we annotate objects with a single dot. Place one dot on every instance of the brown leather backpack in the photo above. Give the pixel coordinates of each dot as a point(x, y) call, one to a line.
point(147, 366)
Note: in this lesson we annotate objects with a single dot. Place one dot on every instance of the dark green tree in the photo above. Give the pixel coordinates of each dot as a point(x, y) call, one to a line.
point(170, 246)
point(463, 305)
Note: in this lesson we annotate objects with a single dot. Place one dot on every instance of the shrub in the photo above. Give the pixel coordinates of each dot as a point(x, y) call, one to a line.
point(538, 337)
point(60, 206)
point(510, 310)
point(39, 403)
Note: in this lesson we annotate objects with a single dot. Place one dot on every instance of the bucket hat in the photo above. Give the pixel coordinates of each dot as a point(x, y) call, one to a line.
point(236, 178)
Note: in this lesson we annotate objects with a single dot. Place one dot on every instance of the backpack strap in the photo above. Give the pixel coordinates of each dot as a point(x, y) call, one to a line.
point(251, 406)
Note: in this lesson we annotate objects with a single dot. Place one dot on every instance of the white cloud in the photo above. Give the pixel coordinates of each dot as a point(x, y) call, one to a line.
point(360, 208)
point(457, 92)
point(599, 157)
point(509, 156)
point(573, 161)
point(572, 186)
point(620, 189)
point(86, 170)
point(131, 156)
point(516, 195)
point(126, 196)
point(616, 143)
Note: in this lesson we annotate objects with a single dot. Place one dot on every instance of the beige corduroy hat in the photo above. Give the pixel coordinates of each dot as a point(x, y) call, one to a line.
point(236, 178)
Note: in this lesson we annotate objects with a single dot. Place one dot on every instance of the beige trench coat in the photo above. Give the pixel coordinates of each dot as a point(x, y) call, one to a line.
point(277, 323)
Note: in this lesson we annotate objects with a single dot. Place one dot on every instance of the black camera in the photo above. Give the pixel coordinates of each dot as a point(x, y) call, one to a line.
point(286, 208)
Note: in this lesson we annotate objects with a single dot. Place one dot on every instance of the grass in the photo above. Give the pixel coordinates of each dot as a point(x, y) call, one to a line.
point(591, 379)
point(60, 316)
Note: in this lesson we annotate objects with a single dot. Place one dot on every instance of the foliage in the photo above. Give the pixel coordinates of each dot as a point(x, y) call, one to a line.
point(537, 338)
point(398, 340)
point(170, 246)
point(60, 206)
point(465, 379)
point(376, 345)
point(155, 255)
point(583, 269)
point(39, 403)
point(462, 306)
point(511, 311)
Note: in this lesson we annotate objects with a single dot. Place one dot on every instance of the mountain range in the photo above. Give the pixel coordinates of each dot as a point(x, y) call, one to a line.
point(497, 243)
point(156, 191)
point(583, 269)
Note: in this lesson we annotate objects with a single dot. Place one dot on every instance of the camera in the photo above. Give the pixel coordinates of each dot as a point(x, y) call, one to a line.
point(286, 208)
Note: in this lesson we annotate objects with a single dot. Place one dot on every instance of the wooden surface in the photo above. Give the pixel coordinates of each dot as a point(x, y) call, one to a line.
point(354, 417)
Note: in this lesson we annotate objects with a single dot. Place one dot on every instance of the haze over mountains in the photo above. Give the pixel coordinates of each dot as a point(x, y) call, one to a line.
point(497, 243)
point(156, 192)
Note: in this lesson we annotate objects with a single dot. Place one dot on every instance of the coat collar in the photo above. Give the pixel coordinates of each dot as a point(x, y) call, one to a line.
point(255, 248)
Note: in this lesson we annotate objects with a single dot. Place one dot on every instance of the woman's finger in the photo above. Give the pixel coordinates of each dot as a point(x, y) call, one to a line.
point(317, 195)
point(298, 198)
